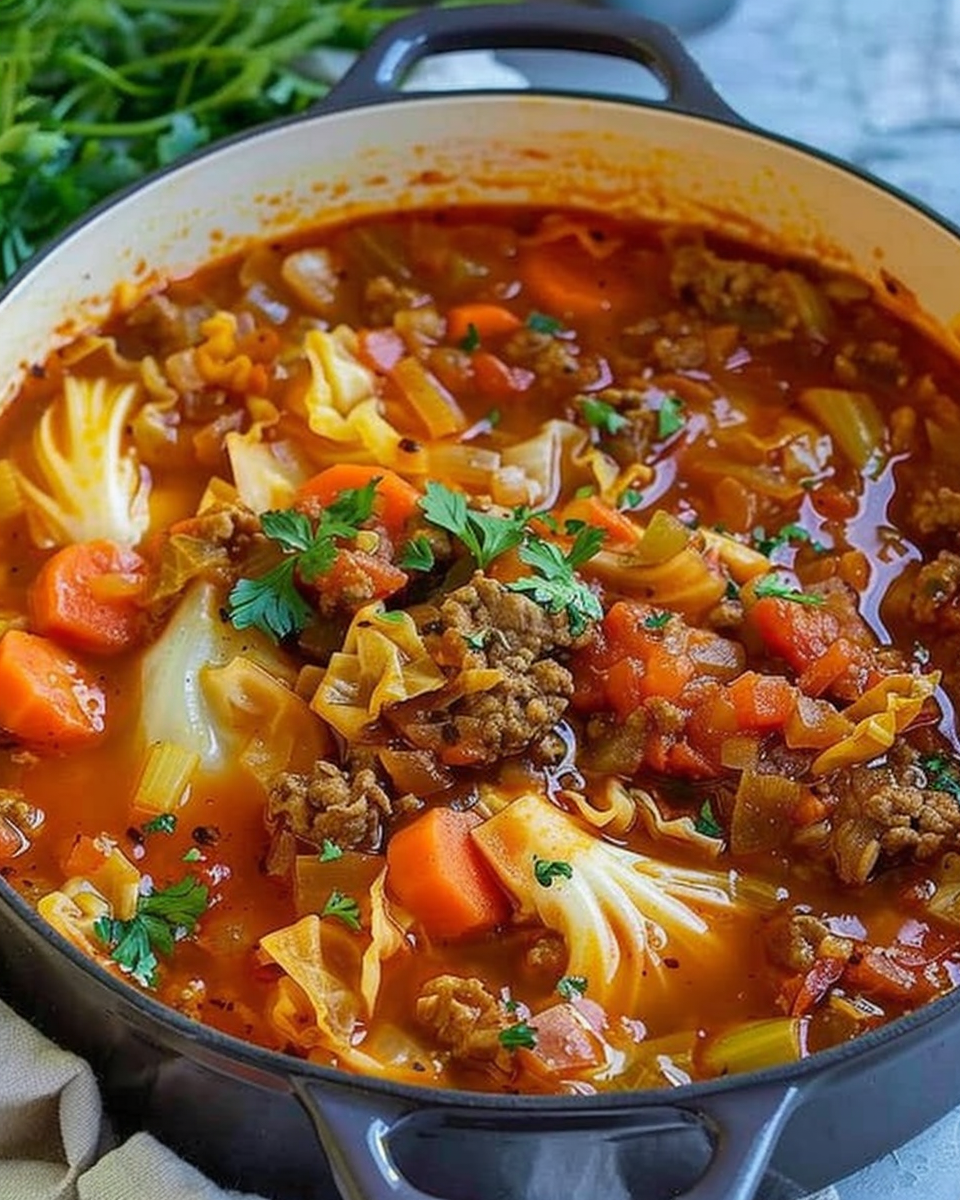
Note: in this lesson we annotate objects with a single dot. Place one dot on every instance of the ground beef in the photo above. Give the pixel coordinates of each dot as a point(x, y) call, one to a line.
point(462, 1015)
point(480, 626)
point(935, 510)
point(383, 299)
point(935, 596)
point(762, 300)
point(553, 360)
point(793, 941)
point(888, 811)
point(875, 362)
point(345, 805)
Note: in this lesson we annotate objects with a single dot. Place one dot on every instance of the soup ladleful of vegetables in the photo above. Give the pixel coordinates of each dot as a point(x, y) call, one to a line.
point(500, 649)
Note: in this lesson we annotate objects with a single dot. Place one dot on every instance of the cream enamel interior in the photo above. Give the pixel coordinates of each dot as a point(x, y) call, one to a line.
point(504, 148)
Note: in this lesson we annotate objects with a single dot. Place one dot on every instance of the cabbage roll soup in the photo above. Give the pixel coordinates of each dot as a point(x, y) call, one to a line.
point(494, 649)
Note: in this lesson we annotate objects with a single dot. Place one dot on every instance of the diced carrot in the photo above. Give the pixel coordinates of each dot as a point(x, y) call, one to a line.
point(880, 976)
point(567, 281)
point(46, 699)
point(86, 597)
point(618, 527)
point(683, 759)
point(665, 674)
point(489, 320)
point(495, 380)
point(762, 701)
point(440, 877)
point(86, 855)
point(366, 576)
point(809, 809)
point(395, 503)
point(832, 502)
point(624, 686)
point(380, 349)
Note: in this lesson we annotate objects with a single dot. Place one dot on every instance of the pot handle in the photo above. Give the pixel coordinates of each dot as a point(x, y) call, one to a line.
point(379, 73)
point(355, 1128)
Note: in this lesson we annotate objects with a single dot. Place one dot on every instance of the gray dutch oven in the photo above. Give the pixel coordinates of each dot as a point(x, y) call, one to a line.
point(268, 1123)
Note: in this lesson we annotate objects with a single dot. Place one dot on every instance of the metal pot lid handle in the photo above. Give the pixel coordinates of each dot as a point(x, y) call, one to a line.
point(355, 1127)
point(379, 73)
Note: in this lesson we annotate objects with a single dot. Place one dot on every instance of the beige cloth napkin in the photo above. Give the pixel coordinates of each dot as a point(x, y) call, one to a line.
point(55, 1144)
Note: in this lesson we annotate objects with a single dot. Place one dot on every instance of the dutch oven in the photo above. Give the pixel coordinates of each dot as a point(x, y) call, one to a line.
point(265, 1122)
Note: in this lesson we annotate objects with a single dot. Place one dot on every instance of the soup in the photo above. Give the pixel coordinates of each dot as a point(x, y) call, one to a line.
point(499, 649)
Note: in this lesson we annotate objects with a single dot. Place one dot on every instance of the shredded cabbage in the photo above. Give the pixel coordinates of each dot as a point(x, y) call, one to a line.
point(620, 912)
point(90, 485)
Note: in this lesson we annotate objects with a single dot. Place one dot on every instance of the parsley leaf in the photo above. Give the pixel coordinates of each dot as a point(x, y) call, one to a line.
point(477, 641)
point(417, 554)
point(273, 602)
point(519, 1036)
point(554, 584)
point(546, 870)
point(670, 417)
point(942, 775)
point(540, 323)
point(706, 823)
point(471, 339)
point(330, 851)
point(162, 918)
point(493, 417)
point(657, 620)
point(774, 586)
point(630, 498)
point(162, 823)
point(345, 908)
point(585, 491)
point(485, 535)
point(783, 537)
point(572, 987)
point(602, 416)
point(192, 855)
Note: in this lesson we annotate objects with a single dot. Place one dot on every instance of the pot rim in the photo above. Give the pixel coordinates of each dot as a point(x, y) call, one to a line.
point(281, 1066)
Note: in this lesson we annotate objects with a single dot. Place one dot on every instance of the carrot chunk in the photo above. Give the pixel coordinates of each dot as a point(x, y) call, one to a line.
point(86, 597)
point(395, 503)
point(46, 699)
point(488, 320)
point(436, 872)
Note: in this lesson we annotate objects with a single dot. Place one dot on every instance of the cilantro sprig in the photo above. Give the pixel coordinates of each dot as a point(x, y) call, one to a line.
point(273, 601)
point(520, 1036)
point(572, 987)
point(942, 775)
point(670, 418)
point(603, 416)
point(163, 917)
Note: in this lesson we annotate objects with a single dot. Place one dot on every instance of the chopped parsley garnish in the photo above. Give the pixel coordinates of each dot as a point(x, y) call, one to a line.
point(555, 585)
point(942, 774)
point(706, 823)
point(657, 620)
point(471, 339)
point(630, 498)
point(330, 851)
point(783, 537)
point(162, 823)
point(417, 554)
point(493, 417)
point(731, 591)
point(477, 641)
point(584, 492)
point(519, 1037)
point(344, 908)
point(775, 587)
point(670, 418)
point(273, 603)
point(540, 323)
point(572, 987)
point(192, 855)
point(162, 918)
point(602, 416)
point(546, 870)
point(485, 535)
